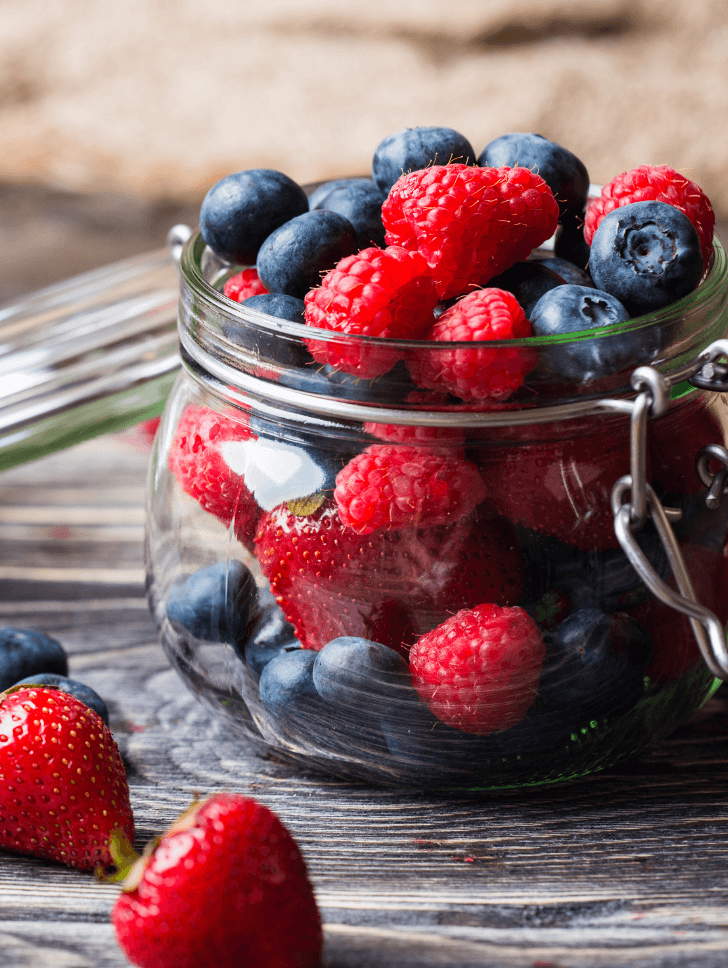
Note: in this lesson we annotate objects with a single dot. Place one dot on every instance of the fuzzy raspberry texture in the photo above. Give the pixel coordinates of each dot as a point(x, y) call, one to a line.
point(477, 374)
point(196, 460)
point(225, 886)
point(469, 223)
point(479, 670)
point(243, 285)
point(387, 293)
point(405, 487)
point(658, 183)
point(389, 586)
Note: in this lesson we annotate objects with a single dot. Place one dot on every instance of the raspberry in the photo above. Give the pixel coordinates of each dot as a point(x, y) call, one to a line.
point(470, 224)
point(477, 374)
point(658, 183)
point(196, 460)
point(243, 285)
point(404, 487)
point(387, 586)
point(383, 293)
point(479, 670)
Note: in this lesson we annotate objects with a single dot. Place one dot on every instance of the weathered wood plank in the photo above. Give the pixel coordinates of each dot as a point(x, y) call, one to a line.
point(626, 868)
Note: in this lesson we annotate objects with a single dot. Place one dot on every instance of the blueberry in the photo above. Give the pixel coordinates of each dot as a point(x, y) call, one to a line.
point(562, 171)
point(240, 212)
point(528, 281)
point(215, 604)
point(594, 662)
point(293, 258)
point(647, 255)
point(361, 204)
point(270, 636)
point(415, 148)
point(26, 653)
point(286, 684)
point(569, 272)
point(363, 676)
point(570, 244)
point(317, 198)
point(272, 346)
point(89, 697)
point(570, 309)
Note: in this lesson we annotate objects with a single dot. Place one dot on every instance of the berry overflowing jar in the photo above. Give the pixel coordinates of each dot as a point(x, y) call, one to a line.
point(381, 534)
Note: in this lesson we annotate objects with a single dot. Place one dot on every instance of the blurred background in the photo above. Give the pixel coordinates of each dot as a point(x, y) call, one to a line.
point(116, 116)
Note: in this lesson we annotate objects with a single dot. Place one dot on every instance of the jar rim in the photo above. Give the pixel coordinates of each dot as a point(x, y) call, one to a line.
point(233, 372)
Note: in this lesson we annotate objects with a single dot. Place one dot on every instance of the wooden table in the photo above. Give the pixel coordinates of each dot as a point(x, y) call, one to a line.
point(626, 868)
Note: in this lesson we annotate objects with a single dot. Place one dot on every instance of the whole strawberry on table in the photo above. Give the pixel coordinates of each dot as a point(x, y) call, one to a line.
point(430, 569)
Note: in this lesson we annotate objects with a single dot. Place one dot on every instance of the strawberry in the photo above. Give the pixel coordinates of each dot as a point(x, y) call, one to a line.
point(561, 488)
point(63, 788)
point(321, 573)
point(225, 886)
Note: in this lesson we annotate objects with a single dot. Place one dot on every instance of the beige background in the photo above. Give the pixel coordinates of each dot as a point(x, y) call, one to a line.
point(162, 97)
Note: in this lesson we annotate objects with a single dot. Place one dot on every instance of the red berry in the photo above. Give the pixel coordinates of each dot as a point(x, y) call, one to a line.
point(405, 487)
point(197, 461)
point(243, 285)
point(658, 183)
point(469, 223)
point(421, 434)
point(63, 788)
point(561, 488)
point(386, 586)
point(479, 670)
point(477, 374)
point(377, 292)
point(225, 886)
point(675, 439)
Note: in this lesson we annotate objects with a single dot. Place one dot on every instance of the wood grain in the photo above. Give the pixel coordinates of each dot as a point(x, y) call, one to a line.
point(626, 868)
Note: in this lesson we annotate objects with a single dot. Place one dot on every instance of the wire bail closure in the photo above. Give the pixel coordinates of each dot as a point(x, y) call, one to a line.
point(630, 515)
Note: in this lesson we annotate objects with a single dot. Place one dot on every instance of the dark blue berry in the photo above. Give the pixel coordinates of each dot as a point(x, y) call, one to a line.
point(217, 603)
point(528, 281)
point(85, 694)
point(571, 309)
point(570, 273)
point(286, 684)
point(415, 148)
point(268, 637)
point(647, 255)
point(570, 244)
point(241, 211)
point(293, 258)
point(269, 344)
point(317, 198)
point(562, 171)
point(594, 662)
point(361, 204)
point(26, 653)
point(363, 676)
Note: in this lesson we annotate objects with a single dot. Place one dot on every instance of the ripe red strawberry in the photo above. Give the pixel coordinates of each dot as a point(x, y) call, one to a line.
point(674, 441)
point(562, 488)
point(63, 788)
point(243, 285)
point(225, 886)
point(479, 670)
point(196, 460)
point(469, 223)
point(658, 183)
point(404, 487)
point(477, 374)
point(383, 293)
point(389, 585)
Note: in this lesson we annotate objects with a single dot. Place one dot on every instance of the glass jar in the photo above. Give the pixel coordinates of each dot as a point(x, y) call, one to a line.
point(482, 627)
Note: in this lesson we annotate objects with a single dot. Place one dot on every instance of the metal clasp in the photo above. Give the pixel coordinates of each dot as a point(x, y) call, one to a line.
point(630, 515)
